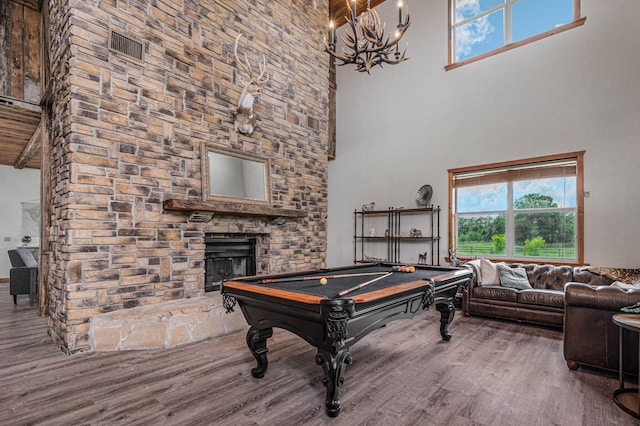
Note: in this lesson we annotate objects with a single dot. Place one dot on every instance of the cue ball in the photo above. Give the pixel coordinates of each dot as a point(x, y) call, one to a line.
point(323, 281)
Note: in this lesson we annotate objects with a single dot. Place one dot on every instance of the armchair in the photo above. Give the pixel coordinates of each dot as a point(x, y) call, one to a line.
point(23, 275)
point(590, 336)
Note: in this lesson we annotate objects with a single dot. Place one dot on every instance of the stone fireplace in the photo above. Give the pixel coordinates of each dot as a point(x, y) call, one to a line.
point(226, 258)
point(127, 220)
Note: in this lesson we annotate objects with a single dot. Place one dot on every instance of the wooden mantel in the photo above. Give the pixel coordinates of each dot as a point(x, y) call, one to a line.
point(235, 209)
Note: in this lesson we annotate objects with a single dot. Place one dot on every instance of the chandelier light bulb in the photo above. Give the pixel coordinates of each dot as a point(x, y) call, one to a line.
point(332, 35)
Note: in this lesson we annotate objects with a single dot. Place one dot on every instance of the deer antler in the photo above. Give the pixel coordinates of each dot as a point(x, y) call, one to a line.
point(367, 45)
point(246, 67)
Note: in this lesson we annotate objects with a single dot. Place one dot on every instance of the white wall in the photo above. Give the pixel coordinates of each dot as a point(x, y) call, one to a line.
point(403, 126)
point(16, 186)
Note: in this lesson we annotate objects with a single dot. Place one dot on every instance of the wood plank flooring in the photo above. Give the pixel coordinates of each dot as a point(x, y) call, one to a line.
point(491, 373)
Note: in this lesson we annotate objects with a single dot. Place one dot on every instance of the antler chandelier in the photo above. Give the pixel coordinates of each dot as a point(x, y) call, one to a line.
point(365, 42)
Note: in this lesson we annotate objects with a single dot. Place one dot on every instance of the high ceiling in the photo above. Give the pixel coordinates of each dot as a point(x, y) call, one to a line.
point(19, 140)
point(338, 9)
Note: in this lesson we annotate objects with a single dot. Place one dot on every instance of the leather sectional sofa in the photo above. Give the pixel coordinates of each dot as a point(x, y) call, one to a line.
point(542, 304)
point(580, 301)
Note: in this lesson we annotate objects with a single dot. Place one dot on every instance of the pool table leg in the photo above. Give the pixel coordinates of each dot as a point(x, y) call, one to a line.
point(257, 342)
point(447, 312)
point(333, 364)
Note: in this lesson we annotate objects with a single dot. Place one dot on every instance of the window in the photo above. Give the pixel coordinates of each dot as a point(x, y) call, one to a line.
point(481, 28)
point(522, 210)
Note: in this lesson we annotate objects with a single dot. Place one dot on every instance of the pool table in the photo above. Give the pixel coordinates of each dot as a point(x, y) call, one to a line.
point(332, 317)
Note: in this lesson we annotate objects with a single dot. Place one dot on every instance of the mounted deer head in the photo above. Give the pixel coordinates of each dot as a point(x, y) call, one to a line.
point(245, 119)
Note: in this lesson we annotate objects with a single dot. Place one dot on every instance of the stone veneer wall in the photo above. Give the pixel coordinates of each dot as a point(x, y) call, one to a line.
point(125, 137)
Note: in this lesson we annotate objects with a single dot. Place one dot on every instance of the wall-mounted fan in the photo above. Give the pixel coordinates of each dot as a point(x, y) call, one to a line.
point(423, 198)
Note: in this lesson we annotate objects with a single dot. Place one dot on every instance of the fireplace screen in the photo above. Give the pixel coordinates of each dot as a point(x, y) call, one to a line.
point(226, 258)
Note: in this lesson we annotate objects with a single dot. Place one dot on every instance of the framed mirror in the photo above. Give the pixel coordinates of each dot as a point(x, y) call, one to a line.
point(233, 176)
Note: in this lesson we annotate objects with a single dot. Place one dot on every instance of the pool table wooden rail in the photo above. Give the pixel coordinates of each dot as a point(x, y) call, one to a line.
point(244, 284)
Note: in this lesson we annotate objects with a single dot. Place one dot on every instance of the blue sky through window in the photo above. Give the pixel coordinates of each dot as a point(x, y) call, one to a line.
point(493, 197)
point(480, 35)
point(531, 17)
point(481, 198)
point(486, 33)
point(562, 190)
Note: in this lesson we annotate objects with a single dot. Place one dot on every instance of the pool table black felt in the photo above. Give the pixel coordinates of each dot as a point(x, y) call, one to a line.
point(335, 285)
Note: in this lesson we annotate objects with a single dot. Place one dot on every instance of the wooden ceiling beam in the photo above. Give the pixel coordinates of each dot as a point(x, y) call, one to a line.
point(18, 123)
point(33, 4)
point(338, 9)
point(31, 149)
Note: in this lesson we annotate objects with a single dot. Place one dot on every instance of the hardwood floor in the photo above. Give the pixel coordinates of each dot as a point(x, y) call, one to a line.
point(491, 373)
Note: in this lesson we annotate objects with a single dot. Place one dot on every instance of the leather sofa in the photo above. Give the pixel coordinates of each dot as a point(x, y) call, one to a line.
point(544, 303)
point(590, 336)
point(574, 298)
point(23, 276)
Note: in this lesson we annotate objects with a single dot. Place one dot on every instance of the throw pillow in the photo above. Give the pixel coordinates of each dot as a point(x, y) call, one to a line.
point(489, 273)
point(513, 277)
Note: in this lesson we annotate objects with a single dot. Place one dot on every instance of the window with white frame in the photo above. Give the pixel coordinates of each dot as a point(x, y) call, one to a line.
point(527, 209)
point(479, 28)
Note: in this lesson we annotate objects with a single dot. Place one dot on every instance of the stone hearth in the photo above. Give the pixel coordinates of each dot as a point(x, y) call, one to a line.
point(165, 325)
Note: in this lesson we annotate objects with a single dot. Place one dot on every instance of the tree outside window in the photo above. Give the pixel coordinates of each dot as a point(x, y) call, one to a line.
point(524, 210)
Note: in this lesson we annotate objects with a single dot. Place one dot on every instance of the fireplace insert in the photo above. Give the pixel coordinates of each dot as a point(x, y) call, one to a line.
point(226, 258)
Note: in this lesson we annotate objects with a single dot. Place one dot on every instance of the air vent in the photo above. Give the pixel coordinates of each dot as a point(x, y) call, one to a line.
point(126, 45)
point(313, 123)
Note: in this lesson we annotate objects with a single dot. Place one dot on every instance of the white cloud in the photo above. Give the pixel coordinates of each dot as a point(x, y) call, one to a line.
point(473, 32)
point(562, 190)
point(482, 198)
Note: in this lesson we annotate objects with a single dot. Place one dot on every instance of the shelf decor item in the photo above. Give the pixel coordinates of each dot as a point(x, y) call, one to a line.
point(423, 197)
point(369, 207)
point(244, 118)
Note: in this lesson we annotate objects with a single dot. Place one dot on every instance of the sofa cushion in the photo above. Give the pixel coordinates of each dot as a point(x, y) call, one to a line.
point(489, 272)
point(496, 293)
point(541, 297)
point(549, 277)
point(27, 258)
point(513, 277)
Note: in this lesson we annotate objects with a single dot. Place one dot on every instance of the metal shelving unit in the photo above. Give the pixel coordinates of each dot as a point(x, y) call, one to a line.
point(396, 236)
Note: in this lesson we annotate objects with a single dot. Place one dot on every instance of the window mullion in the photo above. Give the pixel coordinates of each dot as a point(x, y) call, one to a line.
point(474, 17)
point(508, 33)
point(510, 223)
